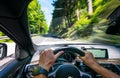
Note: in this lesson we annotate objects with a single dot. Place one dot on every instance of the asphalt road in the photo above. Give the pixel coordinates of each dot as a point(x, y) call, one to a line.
point(40, 40)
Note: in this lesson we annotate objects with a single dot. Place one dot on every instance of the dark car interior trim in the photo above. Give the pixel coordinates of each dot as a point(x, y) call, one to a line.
point(13, 8)
point(17, 26)
point(13, 69)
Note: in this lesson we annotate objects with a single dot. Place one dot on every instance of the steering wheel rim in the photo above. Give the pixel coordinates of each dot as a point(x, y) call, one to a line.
point(76, 50)
point(67, 70)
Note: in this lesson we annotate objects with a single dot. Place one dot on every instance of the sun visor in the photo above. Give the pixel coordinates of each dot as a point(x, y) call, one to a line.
point(12, 8)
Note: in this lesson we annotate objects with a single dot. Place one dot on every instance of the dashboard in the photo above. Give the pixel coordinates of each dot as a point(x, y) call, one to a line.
point(107, 56)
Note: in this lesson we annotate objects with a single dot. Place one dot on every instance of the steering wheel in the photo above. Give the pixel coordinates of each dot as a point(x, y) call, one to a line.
point(67, 70)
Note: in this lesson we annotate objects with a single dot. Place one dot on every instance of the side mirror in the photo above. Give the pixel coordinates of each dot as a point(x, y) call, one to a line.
point(3, 50)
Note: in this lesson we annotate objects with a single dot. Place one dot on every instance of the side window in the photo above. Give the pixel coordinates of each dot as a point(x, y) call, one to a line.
point(7, 46)
point(7, 50)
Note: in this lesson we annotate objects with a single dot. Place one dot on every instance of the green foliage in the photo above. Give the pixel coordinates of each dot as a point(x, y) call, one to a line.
point(85, 25)
point(97, 2)
point(1, 34)
point(3, 38)
point(6, 40)
point(36, 18)
point(64, 18)
point(82, 24)
point(98, 10)
point(84, 20)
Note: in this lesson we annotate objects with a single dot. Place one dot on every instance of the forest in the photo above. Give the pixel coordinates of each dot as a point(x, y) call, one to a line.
point(74, 19)
point(83, 19)
point(36, 18)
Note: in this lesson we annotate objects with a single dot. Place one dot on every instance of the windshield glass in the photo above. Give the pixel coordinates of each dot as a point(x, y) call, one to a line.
point(75, 19)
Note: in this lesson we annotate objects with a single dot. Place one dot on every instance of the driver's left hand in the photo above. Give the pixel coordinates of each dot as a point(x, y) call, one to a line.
point(47, 58)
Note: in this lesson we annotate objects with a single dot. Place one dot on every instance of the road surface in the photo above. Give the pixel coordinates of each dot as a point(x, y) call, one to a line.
point(39, 40)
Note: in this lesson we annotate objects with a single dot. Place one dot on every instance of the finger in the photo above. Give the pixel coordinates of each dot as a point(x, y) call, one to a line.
point(43, 51)
point(51, 50)
point(79, 56)
point(58, 54)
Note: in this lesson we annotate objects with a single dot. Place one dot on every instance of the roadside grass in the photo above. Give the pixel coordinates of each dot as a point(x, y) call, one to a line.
point(98, 35)
point(6, 40)
point(105, 38)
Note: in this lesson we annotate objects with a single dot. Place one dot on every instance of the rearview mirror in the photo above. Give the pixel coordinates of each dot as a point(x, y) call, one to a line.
point(3, 50)
point(114, 26)
point(113, 30)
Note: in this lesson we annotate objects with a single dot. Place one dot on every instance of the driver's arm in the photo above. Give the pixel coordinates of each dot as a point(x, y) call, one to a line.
point(40, 76)
point(90, 61)
point(46, 60)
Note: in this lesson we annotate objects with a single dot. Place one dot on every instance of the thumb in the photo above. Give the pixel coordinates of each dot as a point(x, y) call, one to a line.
point(58, 54)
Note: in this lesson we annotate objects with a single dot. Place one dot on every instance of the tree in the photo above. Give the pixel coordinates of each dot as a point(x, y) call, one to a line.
point(66, 13)
point(36, 18)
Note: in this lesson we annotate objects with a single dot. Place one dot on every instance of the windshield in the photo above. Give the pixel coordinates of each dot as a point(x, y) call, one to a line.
point(93, 21)
point(75, 19)
point(86, 25)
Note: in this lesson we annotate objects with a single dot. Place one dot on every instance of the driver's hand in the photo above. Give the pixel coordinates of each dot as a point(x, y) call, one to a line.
point(88, 59)
point(47, 58)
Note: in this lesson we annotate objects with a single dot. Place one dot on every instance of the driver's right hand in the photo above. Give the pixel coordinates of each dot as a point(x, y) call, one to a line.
point(88, 59)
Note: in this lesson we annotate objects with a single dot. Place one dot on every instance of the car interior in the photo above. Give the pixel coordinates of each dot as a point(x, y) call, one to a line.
point(14, 23)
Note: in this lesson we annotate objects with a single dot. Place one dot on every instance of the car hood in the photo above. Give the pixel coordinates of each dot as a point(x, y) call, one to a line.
point(14, 22)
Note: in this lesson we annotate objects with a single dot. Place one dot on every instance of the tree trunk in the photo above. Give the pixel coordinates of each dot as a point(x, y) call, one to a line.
point(90, 8)
point(77, 14)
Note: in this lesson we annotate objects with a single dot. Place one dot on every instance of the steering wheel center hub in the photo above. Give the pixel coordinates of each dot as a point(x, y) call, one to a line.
point(69, 77)
point(67, 71)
